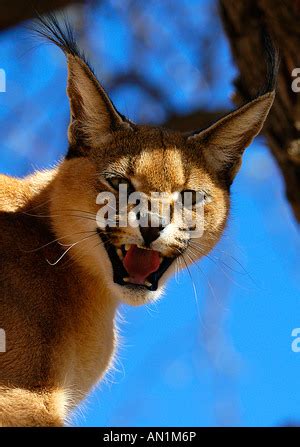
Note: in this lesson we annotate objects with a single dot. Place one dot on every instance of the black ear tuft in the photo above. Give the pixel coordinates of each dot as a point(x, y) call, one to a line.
point(223, 143)
point(272, 61)
point(59, 32)
point(93, 114)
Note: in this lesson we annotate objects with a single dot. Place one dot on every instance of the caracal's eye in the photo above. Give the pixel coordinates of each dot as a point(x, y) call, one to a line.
point(192, 198)
point(116, 182)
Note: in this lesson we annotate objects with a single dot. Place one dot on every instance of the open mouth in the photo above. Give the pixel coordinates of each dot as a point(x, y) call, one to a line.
point(136, 266)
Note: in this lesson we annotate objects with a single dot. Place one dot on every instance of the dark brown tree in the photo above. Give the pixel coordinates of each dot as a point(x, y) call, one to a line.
point(245, 22)
point(15, 11)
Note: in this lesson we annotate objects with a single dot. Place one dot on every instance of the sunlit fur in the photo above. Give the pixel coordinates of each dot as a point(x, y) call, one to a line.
point(57, 295)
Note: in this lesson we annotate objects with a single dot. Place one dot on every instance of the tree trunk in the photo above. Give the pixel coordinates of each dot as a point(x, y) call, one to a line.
point(245, 22)
point(15, 11)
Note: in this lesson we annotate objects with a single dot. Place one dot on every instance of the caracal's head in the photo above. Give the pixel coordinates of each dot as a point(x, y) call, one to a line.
point(138, 202)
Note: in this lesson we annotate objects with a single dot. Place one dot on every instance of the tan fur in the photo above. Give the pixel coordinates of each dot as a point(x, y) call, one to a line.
point(57, 307)
point(25, 408)
point(56, 319)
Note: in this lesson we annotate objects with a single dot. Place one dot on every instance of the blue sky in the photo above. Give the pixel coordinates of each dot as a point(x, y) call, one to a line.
point(218, 356)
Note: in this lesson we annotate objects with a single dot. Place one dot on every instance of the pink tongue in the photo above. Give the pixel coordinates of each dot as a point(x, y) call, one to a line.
point(140, 263)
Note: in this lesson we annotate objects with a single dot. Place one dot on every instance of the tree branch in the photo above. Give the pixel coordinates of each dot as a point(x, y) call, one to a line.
point(15, 11)
point(199, 119)
point(245, 23)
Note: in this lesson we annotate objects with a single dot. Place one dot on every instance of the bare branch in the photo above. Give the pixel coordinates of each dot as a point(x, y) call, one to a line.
point(245, 22)
point(15, 11)
point(194, 120)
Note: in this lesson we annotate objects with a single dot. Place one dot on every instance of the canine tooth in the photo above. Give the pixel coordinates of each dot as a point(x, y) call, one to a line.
point(161, 259)
point(148, 284)
point(119, 252)
point(127, 247)
point(126, 279)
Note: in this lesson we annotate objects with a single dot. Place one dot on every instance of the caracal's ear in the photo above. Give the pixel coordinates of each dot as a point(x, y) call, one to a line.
point(224, 142)
point(93, 115)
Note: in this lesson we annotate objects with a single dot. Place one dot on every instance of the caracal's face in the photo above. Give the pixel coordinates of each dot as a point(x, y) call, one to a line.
point(107, 151)
point(136, 245)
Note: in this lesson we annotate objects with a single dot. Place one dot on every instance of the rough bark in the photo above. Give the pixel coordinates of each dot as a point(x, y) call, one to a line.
point(15, 11)
point(244, 23)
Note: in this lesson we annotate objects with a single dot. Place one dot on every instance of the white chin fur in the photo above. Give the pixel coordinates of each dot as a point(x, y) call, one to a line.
point(134, 297)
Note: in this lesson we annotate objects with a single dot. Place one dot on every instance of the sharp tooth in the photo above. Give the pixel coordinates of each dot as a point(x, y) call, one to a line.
point(119, 252)
point(126, 279)
point(161, 259)
point(127, 247)
point(148, 284)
